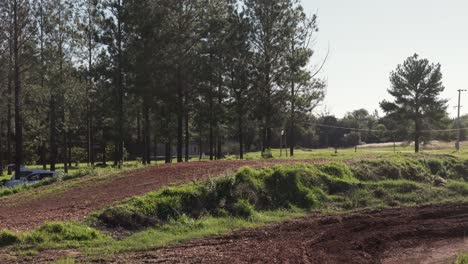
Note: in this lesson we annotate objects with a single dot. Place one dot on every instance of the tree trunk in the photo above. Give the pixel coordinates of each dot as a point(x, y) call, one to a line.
point(65, 146)
point(200, 145)
point(10, 103)
point(53, 133)
point(18, 92)
point(417, 136)
point(69, 153)
point(62, 106)
point(147, 140)
point(43, 72)
point(292, 132)
point(139, 141)
point(155, 149)
point(43, 157)
point(119, 143)
point(180, 117)
point(1, 147)
point(268, 103)
point(104, 157)
point(168, 153)
point(90, 85)
point(187, 133)
point(219, 138)
point(241, 134)
point(211, 121)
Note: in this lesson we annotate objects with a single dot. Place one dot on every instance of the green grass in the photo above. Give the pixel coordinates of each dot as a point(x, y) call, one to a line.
point(462, 259)
point(362, 151)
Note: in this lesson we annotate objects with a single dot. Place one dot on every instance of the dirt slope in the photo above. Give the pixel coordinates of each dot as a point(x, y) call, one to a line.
point(431, 234)
point(24, 211)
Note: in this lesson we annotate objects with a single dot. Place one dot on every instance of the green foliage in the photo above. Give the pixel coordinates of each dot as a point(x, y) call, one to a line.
point(243, 208)
point(8, 238)
point(416, 88)
point(266, 154)
point(462, 259)
point(61, 233)
point(338, 170)
point(458, 187)
point(286, 187)
point(396, 169)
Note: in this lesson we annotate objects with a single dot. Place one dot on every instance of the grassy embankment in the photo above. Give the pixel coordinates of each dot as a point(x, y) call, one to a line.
point(250, 198)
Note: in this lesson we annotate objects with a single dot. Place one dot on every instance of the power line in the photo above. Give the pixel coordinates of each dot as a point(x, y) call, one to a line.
point(374, 130)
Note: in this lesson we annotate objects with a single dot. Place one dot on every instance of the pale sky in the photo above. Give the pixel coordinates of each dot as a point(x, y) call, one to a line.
point(369, 38)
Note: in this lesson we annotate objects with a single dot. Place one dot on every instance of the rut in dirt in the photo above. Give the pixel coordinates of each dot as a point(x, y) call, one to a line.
point(20, 213)
point(388, 236)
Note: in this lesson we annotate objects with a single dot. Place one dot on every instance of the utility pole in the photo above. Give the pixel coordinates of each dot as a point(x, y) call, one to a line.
point(458, 120)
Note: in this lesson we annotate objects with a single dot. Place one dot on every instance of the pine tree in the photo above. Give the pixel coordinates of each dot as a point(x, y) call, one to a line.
point(416, 88)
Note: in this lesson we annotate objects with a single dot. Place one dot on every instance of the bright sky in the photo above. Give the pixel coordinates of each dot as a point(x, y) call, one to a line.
point(369, 38)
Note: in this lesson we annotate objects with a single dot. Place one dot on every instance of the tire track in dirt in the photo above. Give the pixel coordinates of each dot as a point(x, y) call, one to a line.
point(391, 236)
point(22, 212)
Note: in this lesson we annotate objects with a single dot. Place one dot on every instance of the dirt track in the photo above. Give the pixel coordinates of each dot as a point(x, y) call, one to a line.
point(24, 212)
point(431, 234)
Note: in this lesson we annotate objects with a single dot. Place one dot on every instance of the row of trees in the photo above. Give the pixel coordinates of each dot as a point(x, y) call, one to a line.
point(100, 79)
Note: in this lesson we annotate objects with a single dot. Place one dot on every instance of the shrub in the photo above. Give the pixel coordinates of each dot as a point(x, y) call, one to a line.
point(126, 218)
point(378, 170)
point(285, 187)
point(337, 170)
point(8, 238)
point(436, 166)
point(266, 154)
point(463, 259)
point(243, 208)
point(62, 232)
point(458, 187)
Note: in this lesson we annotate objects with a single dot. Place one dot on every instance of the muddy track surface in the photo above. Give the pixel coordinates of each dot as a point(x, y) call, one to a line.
point(26, 211)
point(431, 234)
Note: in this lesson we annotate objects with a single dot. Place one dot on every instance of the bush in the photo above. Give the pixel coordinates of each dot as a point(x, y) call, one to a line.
point(458, 187)
point(62, 232)
point(285, 187)
point(337, 170)
point(266, 154)
point(463, 259)
point(126, 218)
point(8, 238)
point(378, 170)
point(243, 208)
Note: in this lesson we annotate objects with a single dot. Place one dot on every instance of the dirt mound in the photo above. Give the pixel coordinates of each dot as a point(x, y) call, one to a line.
point(409, 235)
point(27, 211)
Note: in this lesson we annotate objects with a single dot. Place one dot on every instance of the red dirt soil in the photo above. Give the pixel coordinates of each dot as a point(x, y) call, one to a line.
point(25, 212)
point(430, 234)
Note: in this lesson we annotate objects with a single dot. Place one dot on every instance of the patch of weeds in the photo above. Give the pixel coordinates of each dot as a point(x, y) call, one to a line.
point(462, 259)
point(62, 235)
point(458, 187)
point(8, 238)
point(243, 208)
